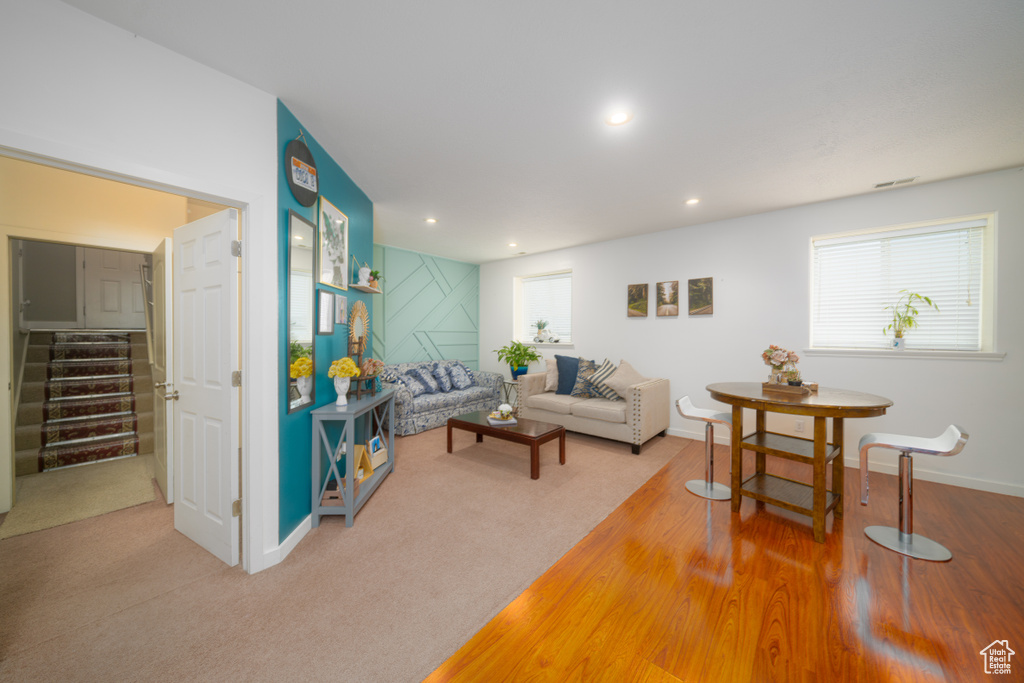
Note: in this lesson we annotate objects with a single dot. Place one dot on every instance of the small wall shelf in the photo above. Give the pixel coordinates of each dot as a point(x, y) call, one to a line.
point(364, 288)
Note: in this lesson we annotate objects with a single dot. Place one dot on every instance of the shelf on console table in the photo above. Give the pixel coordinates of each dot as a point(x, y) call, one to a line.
point(372, 410)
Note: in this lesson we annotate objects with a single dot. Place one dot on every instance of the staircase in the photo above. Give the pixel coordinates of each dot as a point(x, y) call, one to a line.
point(86, 396)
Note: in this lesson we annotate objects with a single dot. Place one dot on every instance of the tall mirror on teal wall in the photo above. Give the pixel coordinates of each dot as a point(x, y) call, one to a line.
point(301, 358)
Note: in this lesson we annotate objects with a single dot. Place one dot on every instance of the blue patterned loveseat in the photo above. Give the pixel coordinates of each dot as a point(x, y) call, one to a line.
point(432, 408)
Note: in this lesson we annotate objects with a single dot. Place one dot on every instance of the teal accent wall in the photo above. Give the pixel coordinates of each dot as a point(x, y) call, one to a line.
point(430, 308)
point(295, 440)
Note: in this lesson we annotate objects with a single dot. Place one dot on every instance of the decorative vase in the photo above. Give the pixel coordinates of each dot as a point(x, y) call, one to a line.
point(776, 377)
point(517, 371)
point(341, 385)
point(305, 386)
point(898, 343)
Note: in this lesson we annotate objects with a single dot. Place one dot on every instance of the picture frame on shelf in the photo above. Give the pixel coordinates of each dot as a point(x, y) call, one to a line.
point(332, 246)
point(324, 312)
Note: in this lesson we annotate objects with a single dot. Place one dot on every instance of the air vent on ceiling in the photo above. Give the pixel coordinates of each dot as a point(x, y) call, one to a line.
point(901, 181)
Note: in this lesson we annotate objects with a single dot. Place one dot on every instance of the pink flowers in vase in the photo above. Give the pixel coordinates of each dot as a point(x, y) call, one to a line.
point(780, 360)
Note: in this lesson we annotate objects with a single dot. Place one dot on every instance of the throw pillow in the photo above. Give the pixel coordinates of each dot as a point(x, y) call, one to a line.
point(443, 379)
point(568, 367)
point(551, 380)
point(389, 375)
point(583, 388)
point(460, 376)
point(623, 378)
point(603, 372)
point(413, 384)
point(424, 375)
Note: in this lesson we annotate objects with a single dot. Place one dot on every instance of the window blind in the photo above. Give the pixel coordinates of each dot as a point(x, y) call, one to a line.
point(547, 297)
point(856, 277)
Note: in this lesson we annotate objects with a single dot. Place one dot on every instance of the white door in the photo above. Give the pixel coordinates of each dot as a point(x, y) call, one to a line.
point(113, 290)
point(161, 365)
point(205, 421)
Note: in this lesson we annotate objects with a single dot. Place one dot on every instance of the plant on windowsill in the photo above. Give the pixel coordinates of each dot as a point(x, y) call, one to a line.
point(904, 315)
point(518, 356)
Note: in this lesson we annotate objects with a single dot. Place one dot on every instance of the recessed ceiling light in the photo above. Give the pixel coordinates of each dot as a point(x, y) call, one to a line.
point(693, 201)
point(430, 220)
point(618, 118)
point(512, 244)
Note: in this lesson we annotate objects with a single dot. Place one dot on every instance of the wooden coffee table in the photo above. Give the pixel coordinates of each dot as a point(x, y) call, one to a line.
point(530, 432)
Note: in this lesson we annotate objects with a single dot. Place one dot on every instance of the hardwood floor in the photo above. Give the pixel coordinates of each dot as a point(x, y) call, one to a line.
point(672, 587)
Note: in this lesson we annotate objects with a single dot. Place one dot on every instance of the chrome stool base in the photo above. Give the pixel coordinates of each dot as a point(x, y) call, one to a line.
point(711, 491)
point(913, 545)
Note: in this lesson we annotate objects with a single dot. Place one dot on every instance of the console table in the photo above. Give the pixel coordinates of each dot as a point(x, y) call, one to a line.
point(814, 500)
point(372, 411)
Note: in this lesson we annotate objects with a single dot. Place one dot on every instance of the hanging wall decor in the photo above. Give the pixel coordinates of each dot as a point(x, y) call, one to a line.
point(636, 301)
point(300, 169)
point(668, 298)
point(701, 296)
point(333, 246)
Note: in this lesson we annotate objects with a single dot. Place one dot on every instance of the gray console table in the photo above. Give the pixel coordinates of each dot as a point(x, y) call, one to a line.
point(372, 410)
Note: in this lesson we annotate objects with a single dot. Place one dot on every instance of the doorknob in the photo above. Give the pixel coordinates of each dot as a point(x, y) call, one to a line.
point(157, 385)
point(171, 397)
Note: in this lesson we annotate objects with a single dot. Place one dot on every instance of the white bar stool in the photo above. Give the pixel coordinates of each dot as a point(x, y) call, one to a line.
point(904, 540)
point(706, 488)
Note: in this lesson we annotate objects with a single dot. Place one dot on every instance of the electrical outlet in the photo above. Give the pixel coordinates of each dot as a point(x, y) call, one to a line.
point(798, 425)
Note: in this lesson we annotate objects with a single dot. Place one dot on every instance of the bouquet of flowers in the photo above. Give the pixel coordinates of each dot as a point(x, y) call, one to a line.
point(346, 367)
point(780, 359)
point(371, 366)
point(303, 367)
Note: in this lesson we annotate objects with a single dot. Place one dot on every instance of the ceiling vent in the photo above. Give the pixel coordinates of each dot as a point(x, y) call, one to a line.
point(901, 181)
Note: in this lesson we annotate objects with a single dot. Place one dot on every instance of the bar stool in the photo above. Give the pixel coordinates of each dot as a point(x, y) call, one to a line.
point(706, 488)
point(904, 540)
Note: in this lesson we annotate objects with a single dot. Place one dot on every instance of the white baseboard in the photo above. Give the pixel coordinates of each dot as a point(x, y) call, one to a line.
point(722, 437)
point(277, 555)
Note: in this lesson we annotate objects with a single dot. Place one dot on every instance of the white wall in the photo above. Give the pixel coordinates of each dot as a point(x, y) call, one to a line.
point(760, 265)
point(80, 90)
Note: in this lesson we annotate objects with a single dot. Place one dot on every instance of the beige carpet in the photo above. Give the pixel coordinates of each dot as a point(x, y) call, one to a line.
point(443, 545)
point(50, 499)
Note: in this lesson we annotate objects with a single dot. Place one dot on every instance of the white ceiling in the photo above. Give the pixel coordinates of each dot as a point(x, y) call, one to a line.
point(488, 115)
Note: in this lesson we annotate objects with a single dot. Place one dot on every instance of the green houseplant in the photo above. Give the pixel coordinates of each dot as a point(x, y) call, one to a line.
point(904, 315)
point(518, 355)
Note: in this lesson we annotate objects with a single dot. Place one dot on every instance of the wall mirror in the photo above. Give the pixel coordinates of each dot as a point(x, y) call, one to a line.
point(301, 356)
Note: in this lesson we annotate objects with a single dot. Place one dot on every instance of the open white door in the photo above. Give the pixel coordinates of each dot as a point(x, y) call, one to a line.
point(161, 365)
point(113, 290)
point(205, 414)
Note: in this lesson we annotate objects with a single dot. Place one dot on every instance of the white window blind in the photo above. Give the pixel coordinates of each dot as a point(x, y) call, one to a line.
point(855, 277)
point(547, 297)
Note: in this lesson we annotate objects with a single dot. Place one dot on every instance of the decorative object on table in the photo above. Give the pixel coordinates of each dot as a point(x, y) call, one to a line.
point(301, 171)
point(518, 356)
point(378, 451)
point(499, 419)
point(701, 295)
point(325, 312)
point(904, 315)
point(302, 372)
point(368, 279)
point(793, 377)
point(340, 309)
point(636, 301)
point(781, 361)
point(504, 411)
point(342, 371)
point(667, 298)
point(333, 268)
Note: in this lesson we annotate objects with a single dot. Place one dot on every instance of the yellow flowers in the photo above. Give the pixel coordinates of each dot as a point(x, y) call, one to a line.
point(345, 367)
point(303, 367)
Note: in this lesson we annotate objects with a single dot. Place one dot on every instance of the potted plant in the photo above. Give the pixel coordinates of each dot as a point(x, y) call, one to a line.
point(518, 356)
point(904, 315)
point(793, 377)
point(376, 279)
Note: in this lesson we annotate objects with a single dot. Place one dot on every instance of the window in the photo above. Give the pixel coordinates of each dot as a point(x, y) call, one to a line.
point(854, 277)
point(545, 297)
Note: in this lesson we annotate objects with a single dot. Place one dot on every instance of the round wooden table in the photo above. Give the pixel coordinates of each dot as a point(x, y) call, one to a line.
point(815, 500)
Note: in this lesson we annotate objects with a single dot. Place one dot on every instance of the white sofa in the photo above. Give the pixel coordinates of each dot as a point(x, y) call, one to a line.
point(642, 413)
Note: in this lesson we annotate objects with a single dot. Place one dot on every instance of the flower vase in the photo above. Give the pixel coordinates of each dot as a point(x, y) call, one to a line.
point(305, 386)
point(341, 385)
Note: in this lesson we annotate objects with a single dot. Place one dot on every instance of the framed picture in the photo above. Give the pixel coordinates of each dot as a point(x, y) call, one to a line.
point(340, 309)
point(668, 298)
point(701, 296)
point(375, 444)
point(324, 312)
point(333, 246)
point(636, 301)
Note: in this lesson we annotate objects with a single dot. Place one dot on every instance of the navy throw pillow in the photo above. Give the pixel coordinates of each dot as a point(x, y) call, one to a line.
point(568, 367)
point(426, 378)
point(443, 379)
point(413, 385)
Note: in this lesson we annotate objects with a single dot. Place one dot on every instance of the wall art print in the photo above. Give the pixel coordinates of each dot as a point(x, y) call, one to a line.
point(333, 252)
point(701, 296)
point(636, 301)
point(667, 294)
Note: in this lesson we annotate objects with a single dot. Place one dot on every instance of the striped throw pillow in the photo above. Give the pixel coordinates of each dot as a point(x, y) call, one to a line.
point(603, 372)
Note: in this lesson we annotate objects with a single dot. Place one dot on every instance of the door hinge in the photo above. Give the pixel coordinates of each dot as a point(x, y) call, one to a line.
point(236, 508)
point(236, 378)
point(236, 248)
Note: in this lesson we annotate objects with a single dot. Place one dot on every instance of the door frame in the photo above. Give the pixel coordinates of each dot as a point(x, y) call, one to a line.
point(259, 508)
